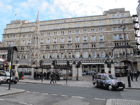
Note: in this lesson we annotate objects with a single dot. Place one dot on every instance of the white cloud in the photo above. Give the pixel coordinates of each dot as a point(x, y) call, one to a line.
point(8, 1)
point(9, 7)
point(93, 7)
point(24, 5)
point(1, 4)
point(44, 6)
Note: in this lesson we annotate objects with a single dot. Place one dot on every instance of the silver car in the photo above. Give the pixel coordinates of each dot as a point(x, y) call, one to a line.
point(3, 78)
point(6, 75)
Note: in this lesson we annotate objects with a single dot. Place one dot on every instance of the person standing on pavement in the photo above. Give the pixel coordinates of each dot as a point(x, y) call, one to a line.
point(136, 75)
point(93, 74)
point(45, 75)
point(131, 75)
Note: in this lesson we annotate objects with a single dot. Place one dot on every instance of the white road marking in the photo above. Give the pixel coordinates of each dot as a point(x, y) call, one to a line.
point(23, 103)
point(28, 91)
point(64, 95)
point(45, 93)
point(54, 94)
point(99, 99)
point(1, 99)
point(77, 97)
point(36, 92)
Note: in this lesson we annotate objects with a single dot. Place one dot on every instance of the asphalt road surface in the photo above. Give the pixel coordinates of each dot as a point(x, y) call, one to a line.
point(64, 94)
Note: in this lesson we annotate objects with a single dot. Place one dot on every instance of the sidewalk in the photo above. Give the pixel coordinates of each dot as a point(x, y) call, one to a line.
point(61, 82)
point(134, 84)
point(5, 91)
point(122, 102)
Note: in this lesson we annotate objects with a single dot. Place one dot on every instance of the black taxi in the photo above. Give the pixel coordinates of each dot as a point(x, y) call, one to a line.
point(108, 81)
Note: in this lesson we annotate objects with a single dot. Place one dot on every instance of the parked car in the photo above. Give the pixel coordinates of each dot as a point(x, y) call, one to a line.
point(92, 72)
point(108, 81)
point(6, 75)
point(3, 78)
point(84, 73)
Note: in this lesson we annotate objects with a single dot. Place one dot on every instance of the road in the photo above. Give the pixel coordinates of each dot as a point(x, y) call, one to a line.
point(52, 94)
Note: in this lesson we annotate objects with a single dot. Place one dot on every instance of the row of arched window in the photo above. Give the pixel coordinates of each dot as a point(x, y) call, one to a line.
point(68, 55)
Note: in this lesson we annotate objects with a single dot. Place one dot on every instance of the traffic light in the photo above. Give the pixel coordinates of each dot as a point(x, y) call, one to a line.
point(78, 64)
point(9, 55)
point(68, 63)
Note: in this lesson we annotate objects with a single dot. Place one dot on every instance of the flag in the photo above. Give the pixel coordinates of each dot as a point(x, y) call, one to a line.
point(15, 14)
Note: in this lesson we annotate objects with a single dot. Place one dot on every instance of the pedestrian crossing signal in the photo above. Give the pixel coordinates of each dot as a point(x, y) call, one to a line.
point(9, 55)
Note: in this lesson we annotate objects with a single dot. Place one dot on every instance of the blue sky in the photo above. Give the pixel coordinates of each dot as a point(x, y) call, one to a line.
point(57, 9)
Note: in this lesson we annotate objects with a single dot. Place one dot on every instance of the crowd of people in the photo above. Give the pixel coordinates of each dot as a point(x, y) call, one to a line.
point(49, 76)
point(134, 75)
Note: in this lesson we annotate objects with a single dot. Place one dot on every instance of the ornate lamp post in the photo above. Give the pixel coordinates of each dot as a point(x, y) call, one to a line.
point(41, 66)
point(126, 64)
point(78, 66)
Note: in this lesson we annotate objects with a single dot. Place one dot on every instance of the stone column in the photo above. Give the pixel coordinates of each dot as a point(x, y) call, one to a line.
point(16, 70)
point(106, 68)
point(52, 68)
point(80, 73)
point(138, 65)
point(32, 73)
point(112, 69)
point(74, 72)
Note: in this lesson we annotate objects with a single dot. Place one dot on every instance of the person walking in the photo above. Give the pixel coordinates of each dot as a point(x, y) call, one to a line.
point(45, 75)
point(93, 75)
point(52, 78)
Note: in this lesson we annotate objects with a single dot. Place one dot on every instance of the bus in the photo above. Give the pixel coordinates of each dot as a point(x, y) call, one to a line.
point(2, 63)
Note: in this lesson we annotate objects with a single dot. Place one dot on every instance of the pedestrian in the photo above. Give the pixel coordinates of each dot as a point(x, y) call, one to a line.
point(131, 75)
point(45, 75)
point(48, 75)
point(93, 75)
point(41, 75)
point(52, 78)
point(34, 75)
point(136, 75)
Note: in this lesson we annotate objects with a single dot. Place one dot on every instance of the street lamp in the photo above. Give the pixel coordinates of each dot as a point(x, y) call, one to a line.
point(41, 61)
point(126, 66)
point(78, 66)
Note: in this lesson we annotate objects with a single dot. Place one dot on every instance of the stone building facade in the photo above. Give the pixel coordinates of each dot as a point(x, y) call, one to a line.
point(89, 39)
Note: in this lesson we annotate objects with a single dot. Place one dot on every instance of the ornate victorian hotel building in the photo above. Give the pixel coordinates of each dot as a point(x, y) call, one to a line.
point(89, 39)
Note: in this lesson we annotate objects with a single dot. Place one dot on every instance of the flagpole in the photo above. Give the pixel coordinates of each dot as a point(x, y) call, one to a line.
point(15, 15)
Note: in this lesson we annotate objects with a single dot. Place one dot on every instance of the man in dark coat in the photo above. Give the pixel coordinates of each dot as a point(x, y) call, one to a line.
point(52, 78)
point(45, 75)
point(131, 75)
point(136, 75)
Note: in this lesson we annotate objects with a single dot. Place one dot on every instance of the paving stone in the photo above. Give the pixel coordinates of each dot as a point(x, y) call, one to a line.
point(124, 102)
